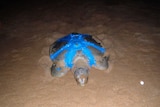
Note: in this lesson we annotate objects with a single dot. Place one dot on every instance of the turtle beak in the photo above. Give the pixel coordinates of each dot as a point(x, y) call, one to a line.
point(81, 76)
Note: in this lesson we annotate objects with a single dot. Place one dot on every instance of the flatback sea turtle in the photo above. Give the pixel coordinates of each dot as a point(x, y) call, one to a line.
point(78, 53)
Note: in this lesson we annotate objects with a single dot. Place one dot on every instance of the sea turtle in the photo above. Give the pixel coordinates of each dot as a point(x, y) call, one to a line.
point(78, 53)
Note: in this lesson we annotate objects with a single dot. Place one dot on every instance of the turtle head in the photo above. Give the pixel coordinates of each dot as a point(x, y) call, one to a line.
point(81, 76)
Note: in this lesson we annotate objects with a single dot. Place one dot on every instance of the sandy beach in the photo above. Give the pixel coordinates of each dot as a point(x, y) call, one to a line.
point(129, 31)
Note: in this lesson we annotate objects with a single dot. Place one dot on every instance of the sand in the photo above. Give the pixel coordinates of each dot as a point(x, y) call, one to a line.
point(129, 31)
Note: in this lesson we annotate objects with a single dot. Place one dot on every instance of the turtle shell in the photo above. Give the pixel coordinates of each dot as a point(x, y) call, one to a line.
point(74, 45)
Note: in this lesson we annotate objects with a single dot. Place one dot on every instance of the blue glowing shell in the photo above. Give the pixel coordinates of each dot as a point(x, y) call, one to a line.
point(71, 44)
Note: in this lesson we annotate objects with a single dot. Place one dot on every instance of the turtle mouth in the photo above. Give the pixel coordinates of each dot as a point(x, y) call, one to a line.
point(82, 80)
point(81, 76)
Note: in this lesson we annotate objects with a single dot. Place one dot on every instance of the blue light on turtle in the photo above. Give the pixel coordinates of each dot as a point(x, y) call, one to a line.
point(76, 42)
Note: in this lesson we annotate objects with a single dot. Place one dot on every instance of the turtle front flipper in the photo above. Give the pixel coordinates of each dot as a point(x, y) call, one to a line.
point(58, 70)
point(102, 63)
